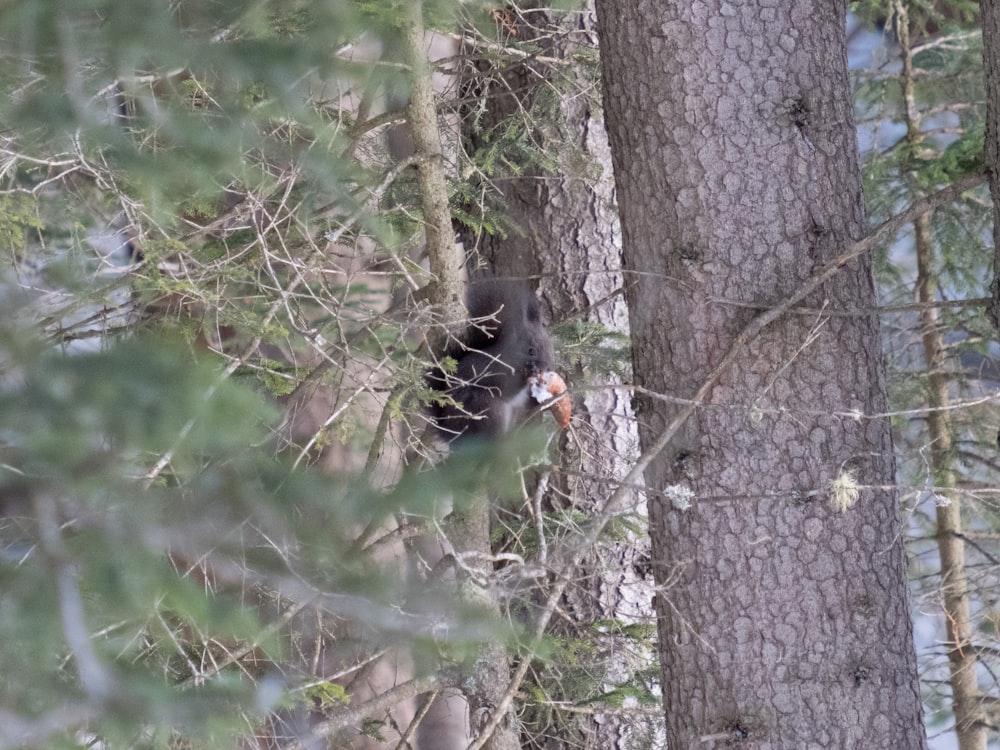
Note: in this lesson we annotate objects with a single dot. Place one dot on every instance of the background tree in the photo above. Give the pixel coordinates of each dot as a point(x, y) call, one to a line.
point(537, 127)
point(921, 126)
point(955, 591)
point(782, 605)
point(991, 64)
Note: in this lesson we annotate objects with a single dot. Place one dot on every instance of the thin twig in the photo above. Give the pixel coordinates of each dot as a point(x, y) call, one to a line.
point(352, 715)
point(198, 678)
point(425, 707)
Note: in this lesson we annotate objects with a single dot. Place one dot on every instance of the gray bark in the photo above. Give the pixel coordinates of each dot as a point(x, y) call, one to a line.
point(783, 619)
point(567, 240)
point(990, 10)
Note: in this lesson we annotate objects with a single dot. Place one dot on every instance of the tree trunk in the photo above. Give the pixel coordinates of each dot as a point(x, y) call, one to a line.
point(783, 615)
point(566, 237)
point(468, 527)
point(970, 726)
point(990, 10)
point(443, 257)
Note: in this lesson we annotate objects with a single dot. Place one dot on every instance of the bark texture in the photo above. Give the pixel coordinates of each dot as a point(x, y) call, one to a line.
point(990, 11)
point(567, 239)
point(783, 619)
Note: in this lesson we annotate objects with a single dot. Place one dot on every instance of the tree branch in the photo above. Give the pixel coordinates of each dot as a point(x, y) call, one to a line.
point(445, 260)
point(383, 702)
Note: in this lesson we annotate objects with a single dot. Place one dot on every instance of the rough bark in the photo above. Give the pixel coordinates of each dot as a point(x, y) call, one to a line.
point(567, 240)
point(990, 10)
point(783, 619)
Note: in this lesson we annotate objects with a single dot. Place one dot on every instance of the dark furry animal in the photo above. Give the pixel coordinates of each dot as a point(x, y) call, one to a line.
point(504, 346)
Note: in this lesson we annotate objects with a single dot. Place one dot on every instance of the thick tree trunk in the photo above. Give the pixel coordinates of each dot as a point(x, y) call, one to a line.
point(783, 615)
point(567, 240)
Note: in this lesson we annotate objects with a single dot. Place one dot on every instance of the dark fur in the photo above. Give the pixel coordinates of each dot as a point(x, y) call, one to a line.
point(504, 345)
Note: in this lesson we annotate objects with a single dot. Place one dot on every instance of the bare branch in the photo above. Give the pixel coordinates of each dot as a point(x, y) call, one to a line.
point(352, 715)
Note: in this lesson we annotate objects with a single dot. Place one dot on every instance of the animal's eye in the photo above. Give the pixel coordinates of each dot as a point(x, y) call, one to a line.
point(532, 352)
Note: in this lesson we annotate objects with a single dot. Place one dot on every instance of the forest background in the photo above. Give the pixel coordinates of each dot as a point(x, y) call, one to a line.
point(222, 520)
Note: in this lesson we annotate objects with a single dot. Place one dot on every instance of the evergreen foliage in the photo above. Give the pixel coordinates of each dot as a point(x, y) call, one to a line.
point(203, 235)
